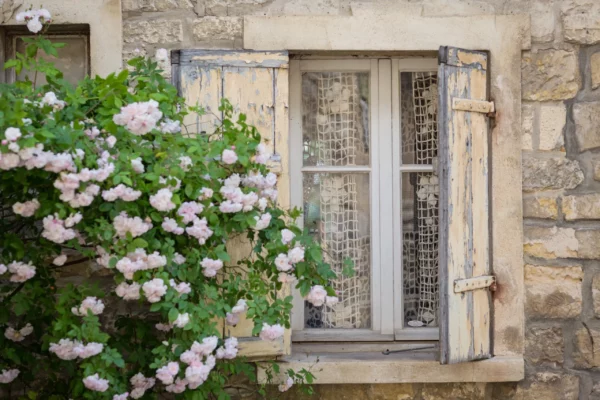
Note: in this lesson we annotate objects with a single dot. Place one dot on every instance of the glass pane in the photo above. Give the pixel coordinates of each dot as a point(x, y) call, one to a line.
point(337, 213)
point(418, 113)
point(335, 118)
point(72, 59)
point(420, 223)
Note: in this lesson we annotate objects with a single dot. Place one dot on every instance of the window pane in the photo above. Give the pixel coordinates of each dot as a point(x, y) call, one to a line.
point(420, 223)
point(337, 213)
point(72, 59)
point(418, 113)
point(335, 118)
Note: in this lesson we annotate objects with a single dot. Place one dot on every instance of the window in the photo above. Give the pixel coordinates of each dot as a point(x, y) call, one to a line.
point(362, 159)
point(73, 59)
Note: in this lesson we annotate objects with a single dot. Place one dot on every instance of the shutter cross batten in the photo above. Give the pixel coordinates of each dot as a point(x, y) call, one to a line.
point(464, 257)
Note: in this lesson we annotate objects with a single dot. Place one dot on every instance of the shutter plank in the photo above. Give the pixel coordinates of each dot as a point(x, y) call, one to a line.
point(464, 206)
point(256, 84)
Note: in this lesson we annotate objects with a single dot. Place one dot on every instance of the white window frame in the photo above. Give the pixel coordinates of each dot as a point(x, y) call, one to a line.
point(385, 194)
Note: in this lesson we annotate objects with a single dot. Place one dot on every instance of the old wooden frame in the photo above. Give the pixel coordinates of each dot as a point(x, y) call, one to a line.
point(419, 28)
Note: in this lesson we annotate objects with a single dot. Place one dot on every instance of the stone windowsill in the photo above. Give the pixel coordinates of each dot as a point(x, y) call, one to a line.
point(409, 367)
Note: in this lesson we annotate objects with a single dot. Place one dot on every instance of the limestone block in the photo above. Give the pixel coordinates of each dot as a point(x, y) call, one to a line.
point(550, 173)
point(217, 28)
point(581, 21)
point(596, 166)
point(587, 125)
point(586, 344)
point(550, 75)
point(583, 206)
point(548, 386)
point(400, 391)
point(553, 117)
point(233, 7)
point(553, 292)
point(544, 345)
point(455, 391)
point(588, 244)
point(595, 69)
point(153, 31)
point(157, 5)
point(596, 294)
point(540, 206)
point(527, 119)
point(543, 20)
point(550, 243)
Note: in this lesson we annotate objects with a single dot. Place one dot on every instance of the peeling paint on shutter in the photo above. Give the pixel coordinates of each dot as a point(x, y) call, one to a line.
point(464, 205)
point(256, 84)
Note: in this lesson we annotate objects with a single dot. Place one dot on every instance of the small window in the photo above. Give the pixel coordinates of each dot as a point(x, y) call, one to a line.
point(73, 59)
point(365, 151)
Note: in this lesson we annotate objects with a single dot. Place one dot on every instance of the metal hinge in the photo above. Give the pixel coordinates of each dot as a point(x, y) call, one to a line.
point(478, 282)
point(479, 106)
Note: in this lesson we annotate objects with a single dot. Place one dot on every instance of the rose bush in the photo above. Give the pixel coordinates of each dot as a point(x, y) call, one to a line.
point(105, 171)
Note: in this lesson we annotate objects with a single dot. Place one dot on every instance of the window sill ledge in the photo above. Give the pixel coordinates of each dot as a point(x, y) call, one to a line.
point(413, 367)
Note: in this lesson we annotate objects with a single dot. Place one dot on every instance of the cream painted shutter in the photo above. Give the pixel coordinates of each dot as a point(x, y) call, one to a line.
point(256, 84)
point(465, 276)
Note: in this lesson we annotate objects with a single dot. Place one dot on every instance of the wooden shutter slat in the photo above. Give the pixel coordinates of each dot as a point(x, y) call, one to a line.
point(256, 84)
point(464, 207)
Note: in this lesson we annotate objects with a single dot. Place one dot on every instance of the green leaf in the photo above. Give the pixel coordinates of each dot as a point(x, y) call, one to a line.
point(139, 243)
point(173, 314)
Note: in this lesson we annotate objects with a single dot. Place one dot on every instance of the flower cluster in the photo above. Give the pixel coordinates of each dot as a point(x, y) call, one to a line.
point(18, 335)
point(20, 271)
point(35, 19)
point(67, 349)
point(139, 118)
point(140, 261)
point(89, 304)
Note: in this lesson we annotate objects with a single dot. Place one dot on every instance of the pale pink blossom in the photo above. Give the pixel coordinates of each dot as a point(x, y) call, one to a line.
point(3, 269)
point(317, 296)
point(188, 211)
point(111, 141)
point(169, 126)
point(178, 387)
point(262, 155)
point(182, 320)
point(60, 260)
point(296, 255)
point(51, 100)
point(92, 132)
point(64, 349)
point(121, 192)
point(154, 290)
point(178, 259)
point(205, 193)
point(185, 163)
point(89, 350)
point(284, 387)
point(196, 374)
point(248, 202)
point(232, 319)
point(139, 118)
point(92, 304)
point(262, 222)
point(271, 332)
point(282, 262)
point(140, 384)
point(18, 335)
point(20, 271)
point(167, 373)
point(229, 156)
point(208, 345)
point(287, 236)
point(138, 165)
point(262, 204)
point(229, 207)
point(331, 300)
point(95, 383)
point(229, 350)
point(8, 161)
point(8, 375)
point(162, 200)
point(56, 230)
point(240, 307)
point(199, 230)
point(14, 147)
point(136, 226)
point(210, 267)
point(128, 291)
point(122, 396)
point(12, 134)
point(171, 226)
point(181, 287)
point(189, 357)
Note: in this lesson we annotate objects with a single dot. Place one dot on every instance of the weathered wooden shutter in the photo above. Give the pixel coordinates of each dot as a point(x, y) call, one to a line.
point(465, 277)
point(256, 84)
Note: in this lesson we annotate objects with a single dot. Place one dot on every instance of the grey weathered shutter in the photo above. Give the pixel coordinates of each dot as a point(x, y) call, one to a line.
point(465, 278)
point(256, 84)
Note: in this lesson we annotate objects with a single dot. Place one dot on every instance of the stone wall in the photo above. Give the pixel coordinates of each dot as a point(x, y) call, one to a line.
point(561, 176)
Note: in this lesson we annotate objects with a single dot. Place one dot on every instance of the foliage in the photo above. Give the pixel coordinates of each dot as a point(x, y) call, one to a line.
point(66, 171)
